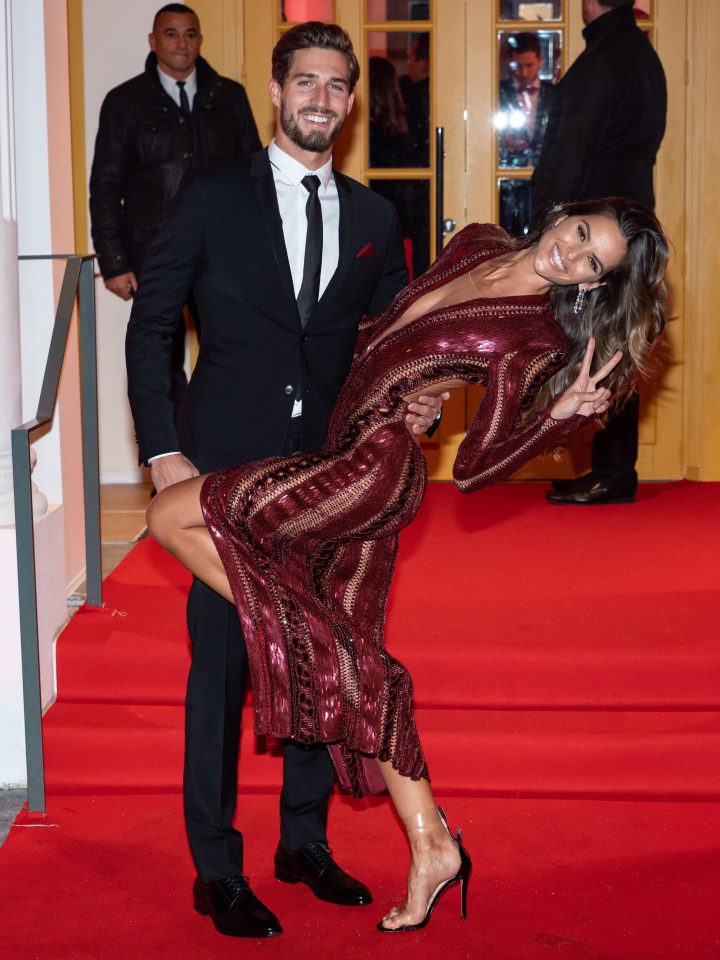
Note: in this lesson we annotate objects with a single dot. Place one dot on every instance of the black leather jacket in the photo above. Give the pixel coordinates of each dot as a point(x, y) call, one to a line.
point(145, 146)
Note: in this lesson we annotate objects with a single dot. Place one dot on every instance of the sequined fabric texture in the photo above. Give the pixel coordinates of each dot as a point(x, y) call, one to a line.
point(309, 541)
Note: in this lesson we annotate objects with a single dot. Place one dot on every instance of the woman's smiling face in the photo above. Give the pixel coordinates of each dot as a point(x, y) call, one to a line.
point(579, 250)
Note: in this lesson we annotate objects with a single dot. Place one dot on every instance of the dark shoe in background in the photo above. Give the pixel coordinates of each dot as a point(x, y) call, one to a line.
point(234, 908)
point(313, 864)
point(591, 494)
point(574, 485)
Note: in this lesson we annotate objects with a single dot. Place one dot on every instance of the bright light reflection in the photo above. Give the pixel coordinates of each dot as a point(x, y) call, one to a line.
point(513, 119)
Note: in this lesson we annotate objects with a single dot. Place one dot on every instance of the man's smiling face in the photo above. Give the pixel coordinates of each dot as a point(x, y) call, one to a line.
point(313, 102)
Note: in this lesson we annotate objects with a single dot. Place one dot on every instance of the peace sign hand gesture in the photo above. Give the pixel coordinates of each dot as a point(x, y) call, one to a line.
point(584, 397)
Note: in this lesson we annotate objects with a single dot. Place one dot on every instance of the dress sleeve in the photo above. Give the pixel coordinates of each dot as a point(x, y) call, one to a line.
point(499, 441)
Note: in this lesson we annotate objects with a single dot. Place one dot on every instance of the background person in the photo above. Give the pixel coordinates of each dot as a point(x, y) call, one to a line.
point(606, 125)
point(415, 89)
point(522, 117)
point(389, 139)
point(390, 146)
point(523, 93)
point(178, 114)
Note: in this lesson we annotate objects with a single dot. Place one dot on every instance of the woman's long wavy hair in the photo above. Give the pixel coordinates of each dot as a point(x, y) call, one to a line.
point(626, 312)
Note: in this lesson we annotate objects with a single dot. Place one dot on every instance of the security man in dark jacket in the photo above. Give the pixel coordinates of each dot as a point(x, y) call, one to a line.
point(176, 115)
point(605, 127)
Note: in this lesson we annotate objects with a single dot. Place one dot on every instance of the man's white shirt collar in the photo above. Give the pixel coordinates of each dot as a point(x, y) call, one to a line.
point(169, 85)
point(292, 171)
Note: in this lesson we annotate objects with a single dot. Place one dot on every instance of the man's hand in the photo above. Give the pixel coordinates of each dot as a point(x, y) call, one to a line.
point(584, 396)
point(423, 412)
point(171, 469)
point(123, 286)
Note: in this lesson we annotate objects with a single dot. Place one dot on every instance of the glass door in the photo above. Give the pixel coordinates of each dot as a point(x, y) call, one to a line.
point(399, 161)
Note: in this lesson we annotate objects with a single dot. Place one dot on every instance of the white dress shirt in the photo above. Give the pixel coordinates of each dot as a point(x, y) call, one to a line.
point(292, 197)
point(169, 85)
point(527, 97)
point(292, 200)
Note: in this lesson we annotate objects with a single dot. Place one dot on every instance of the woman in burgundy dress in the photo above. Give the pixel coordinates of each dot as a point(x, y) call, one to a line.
point(305, 545)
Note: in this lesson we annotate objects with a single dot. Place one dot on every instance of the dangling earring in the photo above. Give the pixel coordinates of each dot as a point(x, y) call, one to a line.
point(579, 301)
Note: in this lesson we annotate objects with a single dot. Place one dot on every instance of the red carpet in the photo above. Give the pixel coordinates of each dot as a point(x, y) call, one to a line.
point(566, 664)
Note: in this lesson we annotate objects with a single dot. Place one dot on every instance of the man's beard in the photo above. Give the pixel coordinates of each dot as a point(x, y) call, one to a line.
point(315, 141)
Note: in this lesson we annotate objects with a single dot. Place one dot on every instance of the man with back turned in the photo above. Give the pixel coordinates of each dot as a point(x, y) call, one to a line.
point(605, 127)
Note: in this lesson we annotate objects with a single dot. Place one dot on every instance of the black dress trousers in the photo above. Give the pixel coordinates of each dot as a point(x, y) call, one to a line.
point(216, 685)
point(615, 447)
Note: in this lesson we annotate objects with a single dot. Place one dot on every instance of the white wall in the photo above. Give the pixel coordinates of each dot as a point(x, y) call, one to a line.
point(37, 297)
point(26, 124)
point(12, 722)
point(111, 56)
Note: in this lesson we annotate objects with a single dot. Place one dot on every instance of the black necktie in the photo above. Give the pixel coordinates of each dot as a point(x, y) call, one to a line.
point(184, 102)
point(310, 287)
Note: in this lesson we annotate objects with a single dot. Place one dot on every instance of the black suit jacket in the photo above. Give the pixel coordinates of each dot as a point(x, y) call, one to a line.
point(223, 238)
point(607, 119)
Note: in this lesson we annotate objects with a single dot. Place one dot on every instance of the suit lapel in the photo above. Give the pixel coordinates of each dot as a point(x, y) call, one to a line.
point(270, 217)
point(346, 252)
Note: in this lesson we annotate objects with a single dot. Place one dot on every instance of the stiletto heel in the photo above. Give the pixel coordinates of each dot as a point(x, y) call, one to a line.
point(463, 894)
point(461, 877)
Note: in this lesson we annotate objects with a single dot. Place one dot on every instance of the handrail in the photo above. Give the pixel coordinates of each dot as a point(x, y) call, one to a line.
point(77, 279)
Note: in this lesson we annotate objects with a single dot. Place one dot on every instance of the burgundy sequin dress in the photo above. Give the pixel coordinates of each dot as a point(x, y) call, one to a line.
point(309, 541)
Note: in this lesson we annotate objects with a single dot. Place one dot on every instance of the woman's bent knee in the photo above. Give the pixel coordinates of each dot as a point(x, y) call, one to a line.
point(161, 517)
point(175, 510)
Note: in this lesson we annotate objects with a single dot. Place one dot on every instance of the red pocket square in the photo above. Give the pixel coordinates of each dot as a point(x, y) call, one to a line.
point(367, 251)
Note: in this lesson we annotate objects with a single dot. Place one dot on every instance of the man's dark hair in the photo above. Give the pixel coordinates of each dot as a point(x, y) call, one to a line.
point(305, 36)
point(174, 8)
point(616, 3)
point(524, 43)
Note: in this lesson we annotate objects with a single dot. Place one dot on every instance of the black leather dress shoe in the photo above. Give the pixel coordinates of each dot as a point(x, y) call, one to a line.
point(313, 864)
point(575, 484)
point(601, 491)
point(234, 908)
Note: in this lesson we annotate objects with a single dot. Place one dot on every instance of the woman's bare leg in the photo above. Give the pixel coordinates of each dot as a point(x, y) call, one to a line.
point(175, 519)
point(435, 855)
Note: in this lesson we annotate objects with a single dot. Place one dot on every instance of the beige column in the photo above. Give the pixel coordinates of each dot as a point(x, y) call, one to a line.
point(10, 405)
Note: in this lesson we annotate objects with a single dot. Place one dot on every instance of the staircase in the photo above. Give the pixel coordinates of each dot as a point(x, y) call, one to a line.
point(556, 652)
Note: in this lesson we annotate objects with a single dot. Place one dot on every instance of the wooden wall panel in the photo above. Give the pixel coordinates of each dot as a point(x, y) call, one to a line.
point(702, 243)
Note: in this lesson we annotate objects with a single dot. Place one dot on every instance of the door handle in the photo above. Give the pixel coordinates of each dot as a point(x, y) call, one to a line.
point(443, 224)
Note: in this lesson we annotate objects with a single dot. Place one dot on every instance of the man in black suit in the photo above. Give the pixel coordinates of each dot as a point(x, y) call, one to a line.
point(178, 114)
point(523, 113)
point(284, 256)
point(524, 102)
point(605, 128)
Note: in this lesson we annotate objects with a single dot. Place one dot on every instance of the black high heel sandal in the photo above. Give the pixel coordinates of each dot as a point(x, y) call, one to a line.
point(462, 876)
